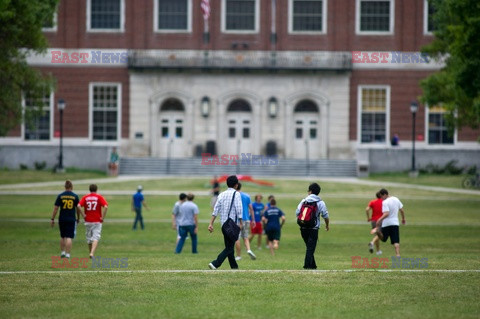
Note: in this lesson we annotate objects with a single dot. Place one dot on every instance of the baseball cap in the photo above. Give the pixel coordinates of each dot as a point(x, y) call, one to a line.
point(139, 187)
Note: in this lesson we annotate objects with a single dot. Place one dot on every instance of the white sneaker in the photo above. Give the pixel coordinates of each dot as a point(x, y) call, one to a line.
point(379, 252)
point(252, 255)
point(238, 258)
point(211, 266)
point(67, 255)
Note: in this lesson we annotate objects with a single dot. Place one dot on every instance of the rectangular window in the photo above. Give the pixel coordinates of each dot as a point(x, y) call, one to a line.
point(246, 132)
point(299, 133)
point(37, 118)
point(179, 132)
point(240, 16)
point(428, 24)
point(375, 16)
point(437, 129)
point(165, 131)
point(51, 25)
point(373, 115)
point(307, 16)
point(105, 108)
point(172, 15)
point(231, 132)
point(105, 15)
point(313, 133)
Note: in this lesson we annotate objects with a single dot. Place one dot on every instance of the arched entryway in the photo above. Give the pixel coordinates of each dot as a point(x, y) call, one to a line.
point(171, 129)
point(239, 127)
point(306, 128)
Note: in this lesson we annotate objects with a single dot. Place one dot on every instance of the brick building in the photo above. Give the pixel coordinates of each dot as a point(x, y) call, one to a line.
point(318, 79)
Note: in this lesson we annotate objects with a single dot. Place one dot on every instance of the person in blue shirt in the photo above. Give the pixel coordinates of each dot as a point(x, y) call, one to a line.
point(137, 202)
point(258, 208)
point(247, 219)
point(272, 218)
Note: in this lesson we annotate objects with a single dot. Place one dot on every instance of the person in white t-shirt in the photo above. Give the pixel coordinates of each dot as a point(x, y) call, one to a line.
point(389, 224)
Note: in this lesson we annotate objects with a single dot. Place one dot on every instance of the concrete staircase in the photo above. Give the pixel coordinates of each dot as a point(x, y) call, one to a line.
point(193, 166)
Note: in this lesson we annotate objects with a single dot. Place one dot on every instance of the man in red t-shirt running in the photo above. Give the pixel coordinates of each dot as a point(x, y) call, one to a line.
point(95, 211)
point(375, 206)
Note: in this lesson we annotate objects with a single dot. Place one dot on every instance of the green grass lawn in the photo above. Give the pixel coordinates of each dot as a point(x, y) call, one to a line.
point(441, 227)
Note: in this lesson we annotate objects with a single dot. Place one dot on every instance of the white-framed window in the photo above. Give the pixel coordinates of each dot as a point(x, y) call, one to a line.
point(240, 16)
point(51, 26)
point(373, 113)
point(375, 17)
point(428, 11)
point(172, 15)
point(105, 100)
point(437, 131)
point(307, 16)
point(106, 15)
point(37, 126)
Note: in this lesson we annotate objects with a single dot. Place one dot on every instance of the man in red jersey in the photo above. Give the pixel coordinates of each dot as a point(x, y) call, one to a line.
point(95, 211)
point(375, 206)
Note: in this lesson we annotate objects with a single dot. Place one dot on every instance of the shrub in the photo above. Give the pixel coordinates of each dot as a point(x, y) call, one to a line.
point(23, 167)
point(40, 165)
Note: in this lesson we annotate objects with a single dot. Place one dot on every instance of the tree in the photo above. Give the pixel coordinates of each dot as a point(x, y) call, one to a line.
point(21, 34)
point(457, 42)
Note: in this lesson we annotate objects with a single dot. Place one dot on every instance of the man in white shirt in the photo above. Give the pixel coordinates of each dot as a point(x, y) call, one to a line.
point(228, 204)
point(389, 224)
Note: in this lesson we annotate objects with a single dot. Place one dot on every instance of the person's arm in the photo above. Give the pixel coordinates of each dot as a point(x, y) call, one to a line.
point(195, 218)
point(54, 213)
point(210, 226)
point(367, 211)
point(283, 221)
point(252, 215)
point(144, 203)
point(402, 212)
point(104, 212)
point(327, 223)
point(385, 215)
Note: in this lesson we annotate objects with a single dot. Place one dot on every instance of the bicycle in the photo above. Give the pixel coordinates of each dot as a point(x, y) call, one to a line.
point(472, 181)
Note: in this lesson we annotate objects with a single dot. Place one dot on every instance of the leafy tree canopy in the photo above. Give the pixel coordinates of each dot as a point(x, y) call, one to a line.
point(21, 23)
point(457, 41)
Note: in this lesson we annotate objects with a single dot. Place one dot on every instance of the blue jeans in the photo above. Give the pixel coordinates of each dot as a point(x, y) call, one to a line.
point(183, 232)
point(138, 218)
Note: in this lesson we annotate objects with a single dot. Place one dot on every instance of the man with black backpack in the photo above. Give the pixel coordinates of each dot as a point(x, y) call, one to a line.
point(308, 218)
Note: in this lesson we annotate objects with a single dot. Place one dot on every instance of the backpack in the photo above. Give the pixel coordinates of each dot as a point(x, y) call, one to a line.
point(307, 218)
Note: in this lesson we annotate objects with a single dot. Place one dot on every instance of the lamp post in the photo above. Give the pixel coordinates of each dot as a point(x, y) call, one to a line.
point(61, 106)
point(307, 158)
point(413, 109)
point(169, 154)
point(272, 107)
point(205, 106)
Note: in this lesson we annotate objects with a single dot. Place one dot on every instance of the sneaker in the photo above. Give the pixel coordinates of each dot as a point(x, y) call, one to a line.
point(259, 248)
point(211, 266)
point(238, 258)
point(252, 255)
point(62, 256)
point(379, 252)
point(67, 255)
point(370, 247)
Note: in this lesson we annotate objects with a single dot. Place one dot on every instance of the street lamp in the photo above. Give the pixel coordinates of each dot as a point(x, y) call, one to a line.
point(61, 106)
point(413, 109)
point(205, 106)
point(272, 107)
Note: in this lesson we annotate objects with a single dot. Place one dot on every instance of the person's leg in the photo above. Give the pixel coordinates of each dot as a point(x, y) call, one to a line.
point(270, 244)
point(194, 238)
point(230, 252)
point(183, 234)
point(136, 220)
point(238, 248)
point(90, 249)
point(140, 218)
point(310, 237)
point(62, 244)
point(94, 247)
point(397, 249)
point(68, 245)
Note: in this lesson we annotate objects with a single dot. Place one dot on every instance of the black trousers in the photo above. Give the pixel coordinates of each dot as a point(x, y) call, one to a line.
point(228, 252)
point(310, 237)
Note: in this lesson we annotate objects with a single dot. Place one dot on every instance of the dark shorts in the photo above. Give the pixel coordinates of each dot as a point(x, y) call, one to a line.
point(393, 232)
point(67, 229)
point(273, 234)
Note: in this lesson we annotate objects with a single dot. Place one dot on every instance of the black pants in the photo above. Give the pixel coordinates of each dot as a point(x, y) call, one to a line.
point(310, 237)
point(228, 252)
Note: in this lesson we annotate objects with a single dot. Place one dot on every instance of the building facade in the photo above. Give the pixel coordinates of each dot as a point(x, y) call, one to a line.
point(318, 79)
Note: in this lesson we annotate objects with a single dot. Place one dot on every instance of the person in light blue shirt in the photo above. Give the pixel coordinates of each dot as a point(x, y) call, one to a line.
point(247, 219)
point(187, 221)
